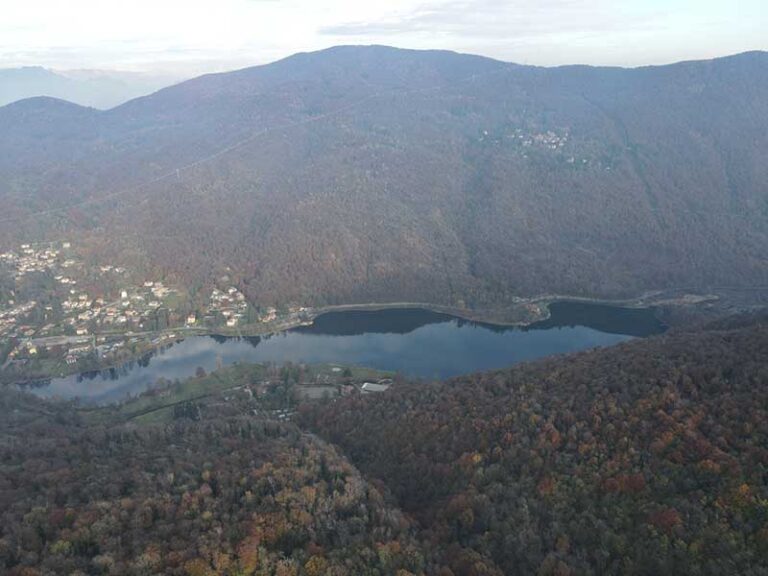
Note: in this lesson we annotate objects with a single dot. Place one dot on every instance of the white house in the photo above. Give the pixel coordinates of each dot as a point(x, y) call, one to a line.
point(372, 387)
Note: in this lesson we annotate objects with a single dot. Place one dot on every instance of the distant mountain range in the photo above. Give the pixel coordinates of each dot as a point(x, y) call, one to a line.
point(96, 88)
point(361, 174)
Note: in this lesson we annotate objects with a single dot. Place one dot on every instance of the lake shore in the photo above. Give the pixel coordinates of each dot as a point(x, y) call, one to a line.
point(524, 313)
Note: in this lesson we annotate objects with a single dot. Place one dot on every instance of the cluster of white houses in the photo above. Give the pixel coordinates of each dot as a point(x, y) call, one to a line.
point(229, 303)
point(30, 259)
point(9, 319)
point(99, 309)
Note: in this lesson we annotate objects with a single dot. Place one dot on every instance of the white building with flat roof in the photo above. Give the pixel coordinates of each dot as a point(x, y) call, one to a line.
point(373, 387)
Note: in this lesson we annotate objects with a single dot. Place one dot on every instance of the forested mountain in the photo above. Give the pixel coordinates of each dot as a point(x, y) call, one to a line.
point(374, 174)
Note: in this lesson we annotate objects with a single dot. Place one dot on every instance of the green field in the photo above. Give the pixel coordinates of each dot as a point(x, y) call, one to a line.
point(161, 403)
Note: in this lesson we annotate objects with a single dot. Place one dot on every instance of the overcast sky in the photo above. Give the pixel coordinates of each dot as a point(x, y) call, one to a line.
point(193, 36)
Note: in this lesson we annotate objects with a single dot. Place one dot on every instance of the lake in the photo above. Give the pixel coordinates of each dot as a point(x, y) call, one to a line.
point(418, 343)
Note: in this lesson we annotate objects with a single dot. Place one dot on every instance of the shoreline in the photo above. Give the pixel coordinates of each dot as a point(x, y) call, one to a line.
point(527, 311)
point(491, 316)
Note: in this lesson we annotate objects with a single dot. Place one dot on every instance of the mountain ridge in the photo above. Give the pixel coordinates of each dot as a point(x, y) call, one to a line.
point(248, 69)
point(375, 174)
point(102, 89)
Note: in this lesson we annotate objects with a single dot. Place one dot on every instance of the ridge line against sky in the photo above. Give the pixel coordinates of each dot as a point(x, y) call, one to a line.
point(176, 36)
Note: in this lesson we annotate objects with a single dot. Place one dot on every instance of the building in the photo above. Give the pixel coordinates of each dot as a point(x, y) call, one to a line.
point(270, 316)
point(372, 387)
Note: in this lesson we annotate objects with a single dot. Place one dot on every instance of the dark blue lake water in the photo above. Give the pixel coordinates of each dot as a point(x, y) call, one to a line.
point(417, 343)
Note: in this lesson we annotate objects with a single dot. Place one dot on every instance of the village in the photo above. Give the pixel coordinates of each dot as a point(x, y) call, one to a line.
point(552, 144)
point(59, 315)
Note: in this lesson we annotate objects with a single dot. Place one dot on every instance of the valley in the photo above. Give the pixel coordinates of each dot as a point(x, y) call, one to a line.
point(385, 312)
point(414, 343)
point(73, 327)
point(398, 178)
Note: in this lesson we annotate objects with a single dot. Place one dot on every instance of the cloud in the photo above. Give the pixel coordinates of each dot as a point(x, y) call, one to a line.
point(494, 19)
point(211, 35)
point(554, 32)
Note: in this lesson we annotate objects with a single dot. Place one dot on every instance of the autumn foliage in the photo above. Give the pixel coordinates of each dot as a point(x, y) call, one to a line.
point(646, 458)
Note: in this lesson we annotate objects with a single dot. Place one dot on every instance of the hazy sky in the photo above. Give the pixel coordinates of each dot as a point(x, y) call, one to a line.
point(191, 36)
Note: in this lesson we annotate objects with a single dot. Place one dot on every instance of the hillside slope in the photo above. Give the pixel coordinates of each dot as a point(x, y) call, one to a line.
point(374, 174)
point(645, 458)
point(227, 496)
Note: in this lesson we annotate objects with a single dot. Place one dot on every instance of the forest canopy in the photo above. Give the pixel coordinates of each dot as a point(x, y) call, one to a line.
point(646, 458)
point(650, 457)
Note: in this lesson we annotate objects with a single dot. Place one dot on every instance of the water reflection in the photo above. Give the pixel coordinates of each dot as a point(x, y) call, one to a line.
point(387, 321)
point(639, 322)
point(415, 342)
